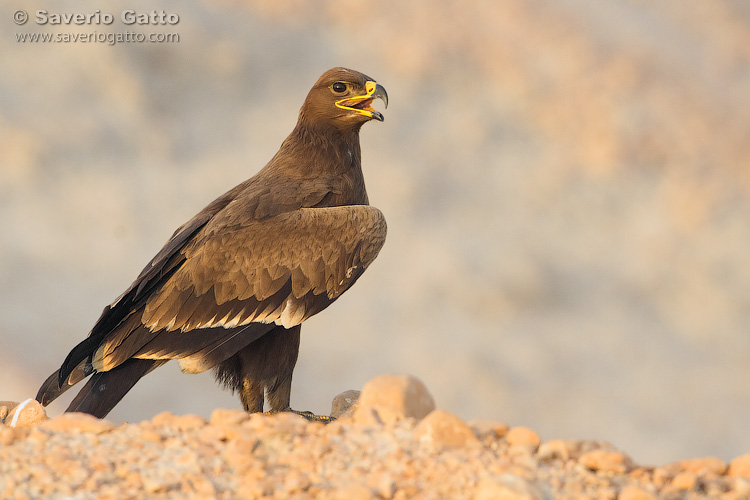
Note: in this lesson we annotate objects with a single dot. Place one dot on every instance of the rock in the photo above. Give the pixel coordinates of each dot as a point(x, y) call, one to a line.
point(396, 397)
point(344, 402)
point(181, 422)
point(661, 477)
point(606, 461)
point(367, 417)
point(684, 481)
point(81, 422)
point(5, 408)
point(506, 487)
point(740, 466)
point(443, 429)
point(239, 452)
point(700, 466)
point(355, 492)
point(7, 435)
point(383, 484)
point(555, 449)
point(27, 413)
point(190, 421)
point(221, 416)
point(635, 493)
point(488, 428)
point(521, 436)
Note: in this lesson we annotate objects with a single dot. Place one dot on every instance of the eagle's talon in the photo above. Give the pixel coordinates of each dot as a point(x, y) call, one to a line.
point(311, 417)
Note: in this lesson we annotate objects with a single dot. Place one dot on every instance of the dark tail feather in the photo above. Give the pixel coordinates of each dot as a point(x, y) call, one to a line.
point(105, 389)
point(52, 388)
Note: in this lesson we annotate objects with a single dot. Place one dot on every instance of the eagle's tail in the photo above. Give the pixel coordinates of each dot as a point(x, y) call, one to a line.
point(51, 389)
point(103, 390)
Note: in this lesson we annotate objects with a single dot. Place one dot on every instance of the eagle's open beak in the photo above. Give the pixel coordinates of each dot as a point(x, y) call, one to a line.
point(362, 104)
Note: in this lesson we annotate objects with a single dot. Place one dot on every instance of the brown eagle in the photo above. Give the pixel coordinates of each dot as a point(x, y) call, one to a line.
point(231, 287)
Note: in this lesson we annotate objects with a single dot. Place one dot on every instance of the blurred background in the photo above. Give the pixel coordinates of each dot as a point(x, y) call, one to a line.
point(566, 186)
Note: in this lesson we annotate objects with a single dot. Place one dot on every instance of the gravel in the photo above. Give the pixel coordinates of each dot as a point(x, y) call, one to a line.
point(359, 456)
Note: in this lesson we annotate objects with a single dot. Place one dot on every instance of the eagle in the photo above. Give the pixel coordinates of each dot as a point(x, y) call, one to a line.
point(232, 286)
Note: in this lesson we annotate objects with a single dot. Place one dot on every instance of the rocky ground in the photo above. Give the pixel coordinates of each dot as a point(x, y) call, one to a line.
point(391, 443)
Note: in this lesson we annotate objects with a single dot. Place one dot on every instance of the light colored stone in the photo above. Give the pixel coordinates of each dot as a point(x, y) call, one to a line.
point(7, 435)
point(700, 466)
point(5, 408)
point(740, 466)
point(285, 422)
point(25, 414)
point(554, 449)
point(521, 436)
point(355, 492)
point(396, 397)
point(190, 421)
point(506, 487)
point(684, 481)
point(362, 416)
point(181, 422)
point(382, 483)
point(164, 419)
point(605, 461)
point(635, 493)
point(661, 477)
point(488, 428)
point(78, 422)
point(441, 429)
point(222, 416)
point(344, 403)
point(239, 452)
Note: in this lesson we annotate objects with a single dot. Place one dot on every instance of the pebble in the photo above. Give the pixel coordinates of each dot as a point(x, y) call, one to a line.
point(77, 422)
point(24, 414)
point(180, 422)
point(396, 397)
point(684, 481)
point(443, 429)
point(740, 466)
point(355, 492)
point(488, 428)
point(344, 403)
point(7, 435)
point(521, 436)
point(605, 461)
point(221, 417)
point(555, 449)
point(506, 487)
point(5, 409)
point(701, 465)
point(635, 493)
point(382, 483)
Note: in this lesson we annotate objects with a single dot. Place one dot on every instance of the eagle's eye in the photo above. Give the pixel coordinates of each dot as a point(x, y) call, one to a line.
point(339, 87)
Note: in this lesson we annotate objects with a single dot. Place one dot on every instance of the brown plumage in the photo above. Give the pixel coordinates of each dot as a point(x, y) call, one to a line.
point(231, 287)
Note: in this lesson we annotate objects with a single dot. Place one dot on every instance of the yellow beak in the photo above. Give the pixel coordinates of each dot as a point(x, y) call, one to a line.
point(361, 104)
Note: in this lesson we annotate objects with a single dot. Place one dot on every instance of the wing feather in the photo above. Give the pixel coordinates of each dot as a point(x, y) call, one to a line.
point(279, 270)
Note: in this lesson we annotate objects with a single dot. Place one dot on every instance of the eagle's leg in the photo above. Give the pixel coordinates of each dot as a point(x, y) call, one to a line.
point(266, 365)
point(251, 395)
